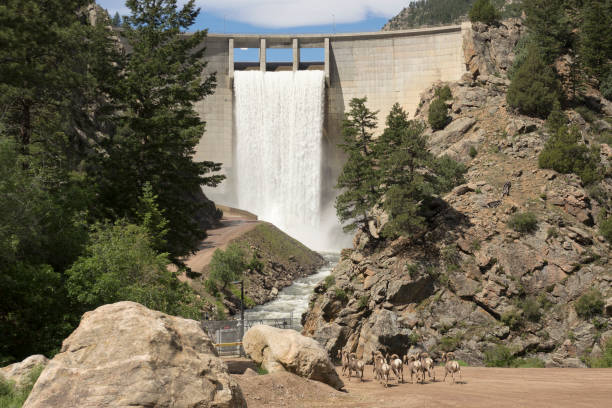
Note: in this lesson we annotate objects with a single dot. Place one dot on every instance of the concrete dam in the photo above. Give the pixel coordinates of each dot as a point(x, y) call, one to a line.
point(272, 167)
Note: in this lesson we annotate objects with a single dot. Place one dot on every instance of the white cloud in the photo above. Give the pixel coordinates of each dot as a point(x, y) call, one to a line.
point(287, 13)
point(295, 13)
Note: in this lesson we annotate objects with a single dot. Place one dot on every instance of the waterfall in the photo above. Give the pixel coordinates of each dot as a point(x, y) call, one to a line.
point(279, 125)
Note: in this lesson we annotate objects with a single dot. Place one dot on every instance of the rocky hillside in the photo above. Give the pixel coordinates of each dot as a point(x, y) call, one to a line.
point(513, 265)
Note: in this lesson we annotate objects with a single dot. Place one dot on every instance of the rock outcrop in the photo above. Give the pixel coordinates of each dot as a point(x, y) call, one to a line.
point(473, 283)
point(124, 354)
point(19, 373)
point(287, 350)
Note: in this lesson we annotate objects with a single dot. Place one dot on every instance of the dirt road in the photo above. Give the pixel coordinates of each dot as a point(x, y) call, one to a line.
point(481, 387)
point(233, 225)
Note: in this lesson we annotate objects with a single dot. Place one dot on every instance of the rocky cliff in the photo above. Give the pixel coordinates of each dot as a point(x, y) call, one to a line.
point(475, 284)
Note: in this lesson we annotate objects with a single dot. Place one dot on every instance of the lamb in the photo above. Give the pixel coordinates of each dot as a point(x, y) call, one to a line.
point(428, 366)
point(397, 367)
point(451, 366)
point(355, 365)
point(413, 366)
point(375, 362)
point(384, 369)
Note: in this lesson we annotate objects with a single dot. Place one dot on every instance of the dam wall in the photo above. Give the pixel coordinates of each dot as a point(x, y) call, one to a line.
point(387, 67)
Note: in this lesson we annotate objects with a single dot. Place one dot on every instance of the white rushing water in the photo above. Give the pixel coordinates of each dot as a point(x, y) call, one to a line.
point(279, 127)
point(293, 299)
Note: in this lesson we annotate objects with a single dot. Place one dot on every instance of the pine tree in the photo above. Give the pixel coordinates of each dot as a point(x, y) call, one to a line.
point(116, 21)
point(483, 11)
point(359, 179)
point(549, 25)
point(534, 87)
point(596, 37)
point(159, 129)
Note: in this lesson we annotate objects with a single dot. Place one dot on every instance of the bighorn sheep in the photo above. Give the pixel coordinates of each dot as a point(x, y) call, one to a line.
point(413, 366)
point(427, 366)
point(397, 367)
point(451, 366)
point(343, 356)
point(355, 365)
point(376, 363)
point(384, 370)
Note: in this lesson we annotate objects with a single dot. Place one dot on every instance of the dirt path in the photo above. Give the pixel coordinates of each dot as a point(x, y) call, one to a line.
point(481, 387)
point(233, 225)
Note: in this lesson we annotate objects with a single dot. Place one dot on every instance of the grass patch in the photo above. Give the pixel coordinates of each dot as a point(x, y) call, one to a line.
point(329, 281)
point(261, 370)
point(526, 222)
point(363, 301)
point(473, 152)
point(341, 295)
point(11, 396)
point(605, 361)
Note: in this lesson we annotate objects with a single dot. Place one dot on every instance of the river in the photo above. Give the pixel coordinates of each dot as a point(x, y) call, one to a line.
point(293, 299)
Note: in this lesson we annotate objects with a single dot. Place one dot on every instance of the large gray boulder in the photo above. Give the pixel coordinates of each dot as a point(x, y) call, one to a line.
point(287, 350)
point(19, 373)
point(125, 355)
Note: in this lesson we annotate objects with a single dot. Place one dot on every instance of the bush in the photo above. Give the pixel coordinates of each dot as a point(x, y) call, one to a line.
point(531, 309)
point(590, 304)
point(512, 319)
point(211, 287)
point(227, 266)
point(363, 301)
point(449, 174)
point(341, 295)
point(564, 154)
point(444, 93)
point(499, 356)
point(329, 281)
point(473, 152)
point(605, 228)
point(523, 222)
point(557, 118)
point(605, 361)
point(483, 11)
point(12, 397)
point(450, 343)
point(438, 114)
point(534, 87)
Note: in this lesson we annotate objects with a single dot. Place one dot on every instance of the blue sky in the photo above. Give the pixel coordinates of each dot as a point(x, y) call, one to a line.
point(285, 16)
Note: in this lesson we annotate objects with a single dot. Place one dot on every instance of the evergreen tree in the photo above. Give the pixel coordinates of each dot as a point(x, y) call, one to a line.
point(116, 21)
point(534, 87)
point(596, 37)
point(158, 128)
point(438, 114)
point(359, 179)
point(549, 25)
point(483, 11)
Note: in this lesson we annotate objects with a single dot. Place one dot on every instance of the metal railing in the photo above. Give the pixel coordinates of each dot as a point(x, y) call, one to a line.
point(226, 334)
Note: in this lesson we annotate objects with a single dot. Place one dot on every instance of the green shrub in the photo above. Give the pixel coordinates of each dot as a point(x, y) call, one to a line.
point(586, 113)
point(534, 87)
point(450, 343)
point(512, 319)
point(564, 154)
point(590, 304)
point(255, 264)
point(498, 356)
point(526, 222)
point(483, 11)
point(363, 301)
point(605, 361)
point(605, 228)
point(211, 287)
point(227, 266)
point(261, 370)
point(329, 281)
point(531, 309)
point(438, 114)
point(341, 295)
point(444, 93)
point(473, 152)
point(556, 119)
point(11, 396)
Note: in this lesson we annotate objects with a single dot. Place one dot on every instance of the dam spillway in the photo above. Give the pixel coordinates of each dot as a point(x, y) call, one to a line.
point(278, 131)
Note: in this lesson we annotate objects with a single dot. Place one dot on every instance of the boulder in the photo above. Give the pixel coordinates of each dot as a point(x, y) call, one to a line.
point(287, 350)
point(19, 372)
point(124, 354)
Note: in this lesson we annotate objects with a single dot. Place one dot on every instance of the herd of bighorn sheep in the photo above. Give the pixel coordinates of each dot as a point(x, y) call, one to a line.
point(417, 365)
